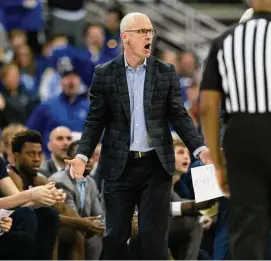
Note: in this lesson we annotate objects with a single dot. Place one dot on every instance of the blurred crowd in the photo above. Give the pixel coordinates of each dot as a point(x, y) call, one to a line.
point(46, 70)
point(44, 84)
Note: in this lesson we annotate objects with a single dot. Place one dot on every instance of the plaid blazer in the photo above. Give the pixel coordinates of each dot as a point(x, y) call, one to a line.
point(110, 112)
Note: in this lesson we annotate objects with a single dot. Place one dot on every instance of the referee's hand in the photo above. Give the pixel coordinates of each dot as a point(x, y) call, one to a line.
point(205, 156)
point(221, 175)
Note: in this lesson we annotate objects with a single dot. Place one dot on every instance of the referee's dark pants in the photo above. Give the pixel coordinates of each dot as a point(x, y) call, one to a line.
point(247, 146)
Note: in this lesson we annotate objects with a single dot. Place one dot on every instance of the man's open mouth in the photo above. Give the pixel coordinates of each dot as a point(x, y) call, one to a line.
point(36, 167)
point(147, 46)
point(185, 164)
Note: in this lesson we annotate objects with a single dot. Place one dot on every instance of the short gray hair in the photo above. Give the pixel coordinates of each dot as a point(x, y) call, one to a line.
point(128, 19)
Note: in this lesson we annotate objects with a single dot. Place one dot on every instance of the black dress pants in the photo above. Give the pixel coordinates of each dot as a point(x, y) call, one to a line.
point(145, 184)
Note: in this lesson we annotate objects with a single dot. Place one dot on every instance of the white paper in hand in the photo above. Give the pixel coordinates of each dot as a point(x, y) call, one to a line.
point(205, 183)
point(4, 213)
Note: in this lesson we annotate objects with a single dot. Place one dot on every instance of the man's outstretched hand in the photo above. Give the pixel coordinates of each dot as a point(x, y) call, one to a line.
point(77, 167)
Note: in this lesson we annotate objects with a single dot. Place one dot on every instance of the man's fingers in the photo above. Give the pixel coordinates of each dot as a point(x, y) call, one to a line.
point(98, 228)
point(93, 218)
point(50, 185)
point(49, 202)
point(71, 174)
point(68, 161)
point(5, 230)
point(5, 227)
point(6, 219)
point(96, 231)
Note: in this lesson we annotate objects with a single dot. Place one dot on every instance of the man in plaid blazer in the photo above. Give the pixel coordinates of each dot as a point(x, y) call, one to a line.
point(133, 99)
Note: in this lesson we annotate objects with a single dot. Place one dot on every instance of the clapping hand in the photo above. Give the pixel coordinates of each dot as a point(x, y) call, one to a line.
point(43, 195)
point(59, 194)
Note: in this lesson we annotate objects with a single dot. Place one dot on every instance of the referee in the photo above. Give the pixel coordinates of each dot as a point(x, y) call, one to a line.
point(237, 75)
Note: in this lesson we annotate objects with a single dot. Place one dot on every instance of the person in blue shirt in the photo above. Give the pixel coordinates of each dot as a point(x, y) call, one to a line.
point(50, 84)
point(30, 69)
point(113, 44)
point(95, 45)
point(84, 65)
point(68, 109)
point(25, 15)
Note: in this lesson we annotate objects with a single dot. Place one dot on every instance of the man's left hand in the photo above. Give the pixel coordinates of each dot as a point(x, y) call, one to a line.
point(60, 195)
point(205, 156)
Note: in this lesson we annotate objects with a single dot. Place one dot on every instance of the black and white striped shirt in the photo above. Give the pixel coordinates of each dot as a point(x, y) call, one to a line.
point(239, 66)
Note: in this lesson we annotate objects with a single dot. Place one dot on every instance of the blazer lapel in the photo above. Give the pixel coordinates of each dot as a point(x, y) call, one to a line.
point(149, 82)
point(122, 85)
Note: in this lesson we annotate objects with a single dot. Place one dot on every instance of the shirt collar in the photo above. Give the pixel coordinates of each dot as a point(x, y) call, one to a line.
point(262, 14)
point(80, 181)
point(127, 65)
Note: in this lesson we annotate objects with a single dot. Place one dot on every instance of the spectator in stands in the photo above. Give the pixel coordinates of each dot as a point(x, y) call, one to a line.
point(25, 15)
point(83, 62)
point(17, 37)
point(67, 109)
point(8, 134)
point(113, 43)
point(60, 53)
point(58, 41)
point(82, 197)
point(50, 81)
point(13, 99)
point(27, 148)
point(192, 103)
point(68, 18)
point(3, 42)
point(187, 70)
point(59, 140)
point(188, 64)
point(185, 232)
point(42, 59)
point(94, 39)
point(30, 70)
point(170, 56)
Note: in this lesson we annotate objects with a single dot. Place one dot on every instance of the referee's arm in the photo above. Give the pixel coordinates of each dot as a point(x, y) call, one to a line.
point(210, 101)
